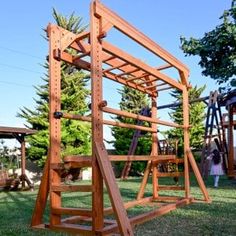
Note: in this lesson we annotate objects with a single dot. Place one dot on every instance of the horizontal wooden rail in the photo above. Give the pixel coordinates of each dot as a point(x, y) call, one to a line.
point(109, 48)
point(175, 161)
point(139, 117)
point(72, 188)
point(87, 160)
point(141, 158)
point(170, 187)
point(170, 174)
point(149, 215)
point(138, 36)
point(105, 122)
point(71, 211)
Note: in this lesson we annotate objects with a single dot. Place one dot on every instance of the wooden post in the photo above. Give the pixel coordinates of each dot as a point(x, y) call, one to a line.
point(23, 160)
point(186, 141)
point(154, 149)
point(231, 141)
point(54, 124)
point(97, 118)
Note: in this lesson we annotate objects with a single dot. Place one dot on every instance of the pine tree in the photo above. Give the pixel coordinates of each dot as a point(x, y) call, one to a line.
point(75, 134)
point(196, 120)
point(131, 101)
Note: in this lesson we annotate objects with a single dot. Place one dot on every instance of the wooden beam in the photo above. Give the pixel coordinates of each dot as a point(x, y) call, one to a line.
point(97, 128)
point(71, 211)
point(198, 176)
point(158, 158)
point(137, 36)
point(109, 122)
point(72, 188)
point(149, 215)
point(41, 200)
point(140, 117)
point(54, 124)
point(186, 141)
point(138, 63)
point(127, 205)
point(113, 190)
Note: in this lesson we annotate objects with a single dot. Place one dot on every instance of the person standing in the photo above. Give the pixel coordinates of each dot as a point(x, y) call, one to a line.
point(216, 166)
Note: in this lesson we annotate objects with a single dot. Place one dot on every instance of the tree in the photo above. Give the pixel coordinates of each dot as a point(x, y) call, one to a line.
point(217, 49)
point(196, 116)
point(75, 134)
point(132, 101)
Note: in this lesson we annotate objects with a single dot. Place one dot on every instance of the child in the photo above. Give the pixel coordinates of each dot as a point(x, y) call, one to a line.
point(216, 166)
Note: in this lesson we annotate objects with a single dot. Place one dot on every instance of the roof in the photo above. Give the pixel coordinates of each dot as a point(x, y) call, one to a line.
point(11, 132)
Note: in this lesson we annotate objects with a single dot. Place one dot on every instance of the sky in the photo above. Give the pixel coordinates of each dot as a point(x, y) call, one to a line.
point(23, 49)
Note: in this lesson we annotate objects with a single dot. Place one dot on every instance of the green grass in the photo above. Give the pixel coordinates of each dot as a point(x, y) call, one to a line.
point(217, 218)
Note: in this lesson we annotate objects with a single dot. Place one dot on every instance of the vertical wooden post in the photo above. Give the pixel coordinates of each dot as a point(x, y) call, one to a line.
point(97, 128)
point(186, 140)
point(154, 149)
point(54, 124)
point(22, 143)
point(231, 141)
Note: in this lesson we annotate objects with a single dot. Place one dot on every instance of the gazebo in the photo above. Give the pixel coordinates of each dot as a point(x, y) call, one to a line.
point(19, 134)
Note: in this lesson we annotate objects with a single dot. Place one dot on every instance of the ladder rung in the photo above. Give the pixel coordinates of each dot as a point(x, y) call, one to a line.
point(175, 161)
point(72, 188)
point(71, 211)
point(77, 161)
point(169, 187)
point(170, 174)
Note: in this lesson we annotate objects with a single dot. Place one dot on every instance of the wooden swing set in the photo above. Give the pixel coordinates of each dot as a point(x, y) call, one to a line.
point(108, 61)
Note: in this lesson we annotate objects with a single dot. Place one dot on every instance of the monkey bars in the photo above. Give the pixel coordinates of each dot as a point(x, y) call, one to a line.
point(104, 60)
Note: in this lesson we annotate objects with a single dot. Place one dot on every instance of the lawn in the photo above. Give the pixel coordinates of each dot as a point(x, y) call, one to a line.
point(217, 218)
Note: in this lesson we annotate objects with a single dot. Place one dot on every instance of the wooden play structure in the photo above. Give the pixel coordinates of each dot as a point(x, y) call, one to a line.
point(92, 52)
point(19, 134)
point(219, 130)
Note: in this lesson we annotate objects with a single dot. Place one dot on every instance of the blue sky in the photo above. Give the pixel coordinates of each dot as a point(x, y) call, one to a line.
point(23, 49)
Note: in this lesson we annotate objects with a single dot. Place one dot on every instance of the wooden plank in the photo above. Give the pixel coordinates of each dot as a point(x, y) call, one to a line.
point(175, 161)
point(127, 205)
point(154, 147)
point(198, 176)
point(41, 201)
point(170, 187)
point(186, 141)
point(109, 122)
point(170, 174)
point(54, 124)
point(72, 188)
point(71, 211)
point(75, 161)
point(144, 180)
point(73, 229)
point(139, 37)
point(138, 63)
point(139, 117)
point(109, 75)
point(168, 198)
point(113, 190)
point(149, 215)
point(158, 212)
point(157, 158)
point(97, 117)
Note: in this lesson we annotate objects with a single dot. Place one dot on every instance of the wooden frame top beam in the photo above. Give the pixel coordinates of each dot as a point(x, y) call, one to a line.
point(138, 36)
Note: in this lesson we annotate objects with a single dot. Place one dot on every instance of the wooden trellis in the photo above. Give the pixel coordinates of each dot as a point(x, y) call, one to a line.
point(108, 61)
